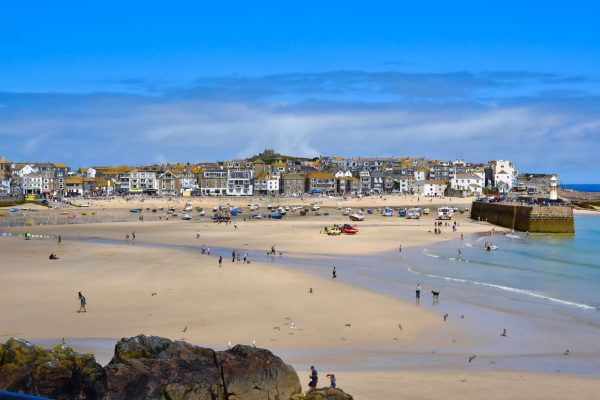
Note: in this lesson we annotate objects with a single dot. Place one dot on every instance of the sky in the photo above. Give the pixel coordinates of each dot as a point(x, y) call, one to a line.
point(140, 82)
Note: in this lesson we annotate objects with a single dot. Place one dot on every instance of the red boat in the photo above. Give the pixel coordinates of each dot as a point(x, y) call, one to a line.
point(349, 230)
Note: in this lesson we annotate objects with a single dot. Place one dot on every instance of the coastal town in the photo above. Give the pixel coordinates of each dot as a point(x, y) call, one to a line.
point(270, 173)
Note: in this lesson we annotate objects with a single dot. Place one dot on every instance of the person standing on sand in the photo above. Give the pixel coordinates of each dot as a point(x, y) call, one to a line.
point(82, 303)
point(208, 251)
point(133, 235)
point(314, 377)
point(220, 261)
point(400, 249)
point(197, 233)
point(233, 256)
point(59, 239)
point(418, 291)
point(334, 273)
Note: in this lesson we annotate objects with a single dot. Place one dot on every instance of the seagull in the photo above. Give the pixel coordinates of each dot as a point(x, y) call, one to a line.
point(311, 290)
point(445, 316)
point(229, 345)
point(503, 333)
point(292, 325)
point(471, 358)
point(184, 329)
point(566, 353)
point(254, 343)
point(348, 325)
point(153, 294)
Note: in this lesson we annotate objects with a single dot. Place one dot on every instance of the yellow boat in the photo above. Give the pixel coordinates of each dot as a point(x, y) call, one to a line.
point(1, 215)
point(83, 213)
point(64, 213)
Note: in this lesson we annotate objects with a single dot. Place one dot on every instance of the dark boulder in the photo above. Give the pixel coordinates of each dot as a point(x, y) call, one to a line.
point(59, 373)
point(150, 367)
point(324, 394)
point(255, 374)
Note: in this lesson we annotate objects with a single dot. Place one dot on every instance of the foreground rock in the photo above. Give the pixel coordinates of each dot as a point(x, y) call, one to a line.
point(59, 373)
point(324, 394)
point(149, 367)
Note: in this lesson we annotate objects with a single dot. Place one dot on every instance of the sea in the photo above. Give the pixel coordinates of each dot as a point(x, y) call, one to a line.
point(582, 187)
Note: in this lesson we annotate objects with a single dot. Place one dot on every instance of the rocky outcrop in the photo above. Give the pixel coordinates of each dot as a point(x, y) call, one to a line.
point(324, 394)
point(59, 373)
point(254, 374)
point(148, 367)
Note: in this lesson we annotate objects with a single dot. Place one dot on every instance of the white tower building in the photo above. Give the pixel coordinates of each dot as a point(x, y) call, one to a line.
point(553, 188)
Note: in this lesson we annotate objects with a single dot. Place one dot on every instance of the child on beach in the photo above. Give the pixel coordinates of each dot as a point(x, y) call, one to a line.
point(332, 383)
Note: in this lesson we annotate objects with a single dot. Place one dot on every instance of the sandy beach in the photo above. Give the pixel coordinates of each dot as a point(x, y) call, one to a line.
point(161, 284)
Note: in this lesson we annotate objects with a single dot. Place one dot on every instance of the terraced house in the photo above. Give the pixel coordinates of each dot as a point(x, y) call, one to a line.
point(320, 182)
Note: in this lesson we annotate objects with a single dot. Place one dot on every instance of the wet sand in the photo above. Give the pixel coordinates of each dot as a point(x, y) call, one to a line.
point(239, 302)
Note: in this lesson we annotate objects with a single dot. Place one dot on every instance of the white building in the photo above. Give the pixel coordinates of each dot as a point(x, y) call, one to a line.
point(23, 169)
point(471, 183)
point(143, 181)
point(267, 183)
point(431, 188)
point(504, 175)
point(240, 183)
point(420, 175)
point(32, 183)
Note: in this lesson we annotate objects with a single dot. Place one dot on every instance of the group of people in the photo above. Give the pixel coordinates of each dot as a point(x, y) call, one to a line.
point(314, 378)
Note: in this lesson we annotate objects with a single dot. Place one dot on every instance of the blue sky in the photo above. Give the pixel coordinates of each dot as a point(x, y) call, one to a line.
point(90, 83)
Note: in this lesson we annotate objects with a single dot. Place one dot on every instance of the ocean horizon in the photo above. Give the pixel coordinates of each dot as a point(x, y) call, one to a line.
point(582, 187)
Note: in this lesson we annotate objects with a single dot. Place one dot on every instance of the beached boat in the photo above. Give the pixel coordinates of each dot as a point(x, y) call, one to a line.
point(186, 217)
point(135, 210)
point(388, 212)
point(357, 216)
point(256, 216)
point(202, 213)
point(1, 215)
point(445, 212)
point(14, 209)
point(64, 213)
point(426, 211)
point(369, 211)
point(277, 216)
point(413, 213)
point(402, 212)
point(315, 207)
point(235, 211)
point(347, 211)
point(85, 205)
point(188, 207)
point(83, 213)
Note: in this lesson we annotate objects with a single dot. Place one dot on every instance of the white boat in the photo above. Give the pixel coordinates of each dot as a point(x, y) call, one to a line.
point(186, 217)
point(256, 216)
point(413, 213)
point(347, 211)
point(188, 207)
point(445, 213)
point(357, 216)
point(315, 207)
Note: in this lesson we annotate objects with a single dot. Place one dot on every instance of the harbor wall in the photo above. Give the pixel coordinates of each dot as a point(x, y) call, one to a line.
point(550, 219)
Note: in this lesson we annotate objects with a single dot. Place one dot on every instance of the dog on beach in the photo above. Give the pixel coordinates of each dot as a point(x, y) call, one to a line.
point(435, 294)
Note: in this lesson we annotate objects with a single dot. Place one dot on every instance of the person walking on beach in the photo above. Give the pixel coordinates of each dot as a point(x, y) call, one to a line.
point(233, 256)
point(400, 249)
point(82, 303)
point(220, 261)
point(418, 291)
point(203, 249)
point(334, 273)
point(245, 257)
point(133, 235)
point(208, 251)
point(59, 239)
point(314, 377)
point(197, 233)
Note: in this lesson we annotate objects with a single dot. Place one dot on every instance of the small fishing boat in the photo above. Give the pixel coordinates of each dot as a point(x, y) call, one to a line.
point(358, 216)
point(135, 210)
point(14, 209)
point(388, 212)
point(348, 229)
point(347, 211)
point(186, 217)
point(369, 211)
point(277, 216)
point(64, 213)
point(83, 213)
point(188, 207)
